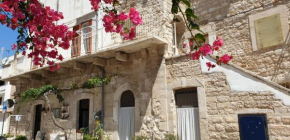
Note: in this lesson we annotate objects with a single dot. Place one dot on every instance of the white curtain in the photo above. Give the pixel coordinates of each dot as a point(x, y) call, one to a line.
point(126, 123)
point(188, 123)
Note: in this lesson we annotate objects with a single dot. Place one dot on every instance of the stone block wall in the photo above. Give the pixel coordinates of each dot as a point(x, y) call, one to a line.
point(220, 106)
point(145, 77)
point(232, 24)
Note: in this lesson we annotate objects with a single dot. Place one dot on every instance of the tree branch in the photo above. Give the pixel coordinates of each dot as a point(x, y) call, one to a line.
point(52, 116)
point(188, 27)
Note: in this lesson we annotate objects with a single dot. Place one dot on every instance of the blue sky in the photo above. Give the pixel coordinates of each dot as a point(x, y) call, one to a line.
point(7, 38)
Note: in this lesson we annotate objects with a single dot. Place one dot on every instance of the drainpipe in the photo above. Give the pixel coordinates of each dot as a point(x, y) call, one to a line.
point(103, 97)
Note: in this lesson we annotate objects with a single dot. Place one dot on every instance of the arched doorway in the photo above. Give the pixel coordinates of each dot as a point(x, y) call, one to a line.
point(127, 116)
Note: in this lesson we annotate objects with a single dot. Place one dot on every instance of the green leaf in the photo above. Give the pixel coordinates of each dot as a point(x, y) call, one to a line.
point(174, 8)
point(200, 37)
point(190, 14)
point(176, 19)
point(193, 25)
point(186, 2)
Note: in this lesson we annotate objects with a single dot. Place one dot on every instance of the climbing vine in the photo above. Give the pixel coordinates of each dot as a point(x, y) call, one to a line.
point(33, 94)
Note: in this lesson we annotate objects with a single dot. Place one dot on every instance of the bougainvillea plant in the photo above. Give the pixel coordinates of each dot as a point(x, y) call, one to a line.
point(38, 31)
point(201, 48)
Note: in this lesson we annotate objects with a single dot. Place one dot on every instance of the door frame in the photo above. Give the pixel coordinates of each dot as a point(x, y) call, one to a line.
point(31, 116)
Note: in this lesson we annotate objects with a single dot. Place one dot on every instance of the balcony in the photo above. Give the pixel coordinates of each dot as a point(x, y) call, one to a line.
point(93, 41)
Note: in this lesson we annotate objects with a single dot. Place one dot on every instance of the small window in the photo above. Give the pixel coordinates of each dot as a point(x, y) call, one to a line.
point(1, 100)
point(269, 28)
point(84, 106)
point(127, 99)
point(269, 31)
point(186, 97)
point(2, 83)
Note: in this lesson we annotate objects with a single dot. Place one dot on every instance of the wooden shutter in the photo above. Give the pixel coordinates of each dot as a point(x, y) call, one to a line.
point(76, 45)
point(269, 31)
point(90, 37)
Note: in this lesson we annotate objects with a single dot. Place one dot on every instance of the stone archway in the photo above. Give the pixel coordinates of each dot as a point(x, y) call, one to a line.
point(116, 107)
point(75, 107)
point(181, 83)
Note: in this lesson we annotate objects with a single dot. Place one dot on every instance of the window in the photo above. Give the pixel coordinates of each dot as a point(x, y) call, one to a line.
point(253, 127)
point(83, 41)
point(87, 36)
point(126, 128)
point(1, 100)
point(76, 44)
point(127, 99)
point(269, 28)
point(186, 97)
point(268, 31)
point(2, 83)
point(84, 106)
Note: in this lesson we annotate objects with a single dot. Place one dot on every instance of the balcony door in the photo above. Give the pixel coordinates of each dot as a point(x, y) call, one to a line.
point(82, 44)
point(86, 37)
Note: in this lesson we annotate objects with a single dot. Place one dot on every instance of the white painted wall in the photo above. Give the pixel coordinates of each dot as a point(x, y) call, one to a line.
point(5, 91)
point(241, 81)
point(71, 9)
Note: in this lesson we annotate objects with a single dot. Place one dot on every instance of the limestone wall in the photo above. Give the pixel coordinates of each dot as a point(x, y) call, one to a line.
point(145, 77)
point(220, 106)
point(232, 24)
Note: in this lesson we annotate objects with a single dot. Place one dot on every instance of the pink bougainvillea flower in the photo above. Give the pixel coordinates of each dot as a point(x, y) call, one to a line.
point(210, 65)
point(206, 49)
point(54, 67)
point(190, 43)
point(135, 16)
point(195, 55)
point(24, 53)
point(119, 28)
point(95, 4)
point(2, 17)
point(132, 33)
point(218, 43)
point(123, 16)
point(225, 58)
point(50, 62)
point(108, 1)
point(14, 46)
point(5, 6)
point(60, 57)
point(184, 45)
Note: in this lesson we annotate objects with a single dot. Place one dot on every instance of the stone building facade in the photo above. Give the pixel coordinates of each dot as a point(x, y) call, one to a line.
point(154, 72)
